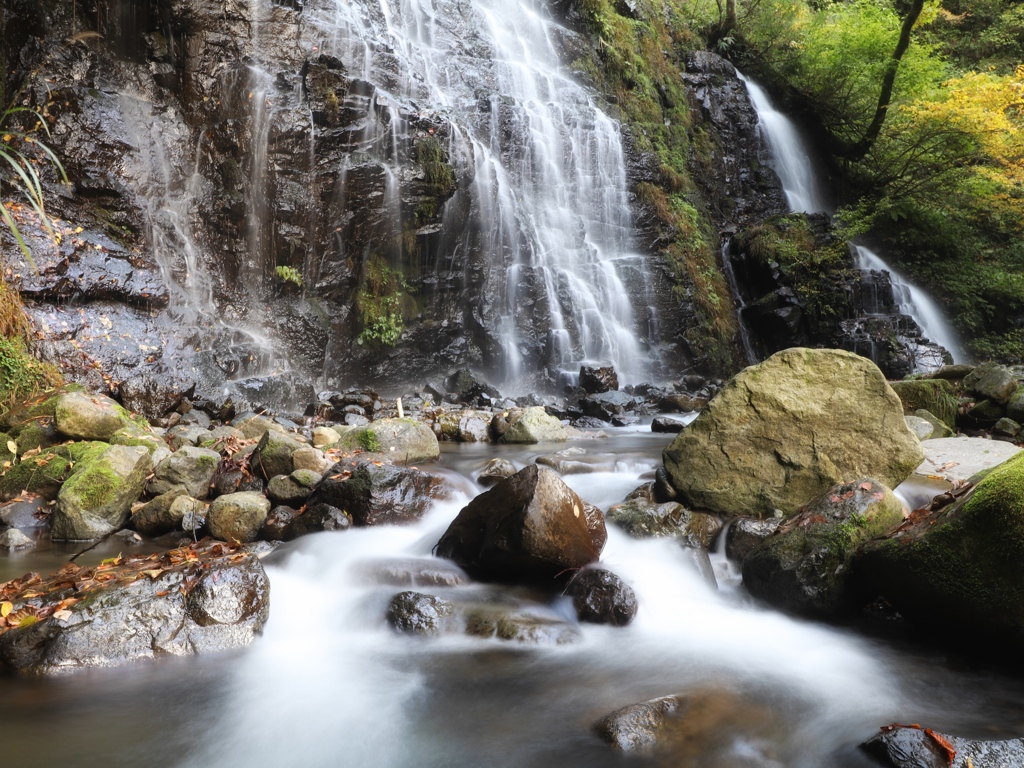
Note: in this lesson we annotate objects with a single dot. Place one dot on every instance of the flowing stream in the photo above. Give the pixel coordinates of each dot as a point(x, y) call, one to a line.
point(330, 685)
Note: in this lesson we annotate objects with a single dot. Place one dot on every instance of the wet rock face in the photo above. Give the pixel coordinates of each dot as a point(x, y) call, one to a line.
point(193, 601)
point(597, 380)
point(413, 613)
point(530, 526)
point(378, 495)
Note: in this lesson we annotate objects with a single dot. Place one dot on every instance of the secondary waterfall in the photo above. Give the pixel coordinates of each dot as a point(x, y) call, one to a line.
point(548, 183)
point(792, 161)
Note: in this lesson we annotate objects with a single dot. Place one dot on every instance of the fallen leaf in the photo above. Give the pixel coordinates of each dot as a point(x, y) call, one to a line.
point(943, 743)
point(63, 614)
point(12, 446)
point(5, 609)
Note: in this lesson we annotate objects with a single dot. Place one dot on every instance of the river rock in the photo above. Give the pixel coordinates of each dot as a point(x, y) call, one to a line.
point(495, 471)
point(88, 417)
point(154, 396)
point(316, 519)
point(404, 440)
point(642, 518)
point(803, 567)
point(956, 568)
point(46, 472)
point(292, 489)
point(958, 459)
point(534, 425)
point(187, 434)
point(25, 514)
point(984, 413)
point(666, 425)
point(939, 427)
point(312, 459)
point(784, 431)
point(905, 746)
point(378, 494)
point(155, 518)
point(594, 381)
point(189, 466)
point(96, 499)
point(607, 405)
point(992, 381)
point(325, 436)
point(273, 454)
point(519, 626)
point(12, 539)
point(567, 462)
point(1015, 407)
point(745, 534)
point(277, 522)
point(601, 597)
point(595, 525)
point(1006, 428)
point(529, 526)
point(923, 429)
point(237, 516)
point(413, 613)
point(936, 396)
point(210, 601)
point(234, 476)
point(636, 727)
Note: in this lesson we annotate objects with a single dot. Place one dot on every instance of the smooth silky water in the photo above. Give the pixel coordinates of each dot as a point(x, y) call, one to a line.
point(329, 684)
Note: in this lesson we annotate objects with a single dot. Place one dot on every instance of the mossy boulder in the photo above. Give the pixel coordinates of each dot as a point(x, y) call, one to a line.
point(45, 472)
point(97, 497)
point(39, 434)
point(273, 454)
point(189, 466)
point(134, 434)
point(804, 566)
point(936, 396)
point(782, 432)
point(959, 569)
point(82, 416)
point(1015, 406)
point(294, 489)
point(534, 425)
point(992, 381)
point(405, 440)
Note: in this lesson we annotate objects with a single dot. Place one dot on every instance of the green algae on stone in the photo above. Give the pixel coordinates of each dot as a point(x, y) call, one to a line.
point(936, 396)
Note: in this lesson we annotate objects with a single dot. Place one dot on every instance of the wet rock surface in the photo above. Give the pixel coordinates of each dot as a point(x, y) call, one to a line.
point(196, 600)
point(378, 494)
point(529, 526)
point(908, 747)
point(413, 613)
point(601, 597)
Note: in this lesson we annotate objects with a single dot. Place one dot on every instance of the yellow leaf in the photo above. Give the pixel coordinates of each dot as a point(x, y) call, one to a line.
point(12, 446)
point(6, 608)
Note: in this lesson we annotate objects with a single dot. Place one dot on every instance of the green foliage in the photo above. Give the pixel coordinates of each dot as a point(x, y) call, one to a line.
point(288, 275)
point(383, 302)
point(433, 159)
point(369, 442)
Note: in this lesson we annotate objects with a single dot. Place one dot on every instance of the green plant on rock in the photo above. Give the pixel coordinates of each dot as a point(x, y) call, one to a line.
point(288, 275)
point(437, 170)
point(382, 302)
point(369, 442)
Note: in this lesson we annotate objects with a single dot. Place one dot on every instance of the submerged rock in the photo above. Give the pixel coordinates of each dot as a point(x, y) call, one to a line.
point(201, 599)
point(643, 518)
point(783, 431)
point(529, 526)
point(804, 566)
point(413, 573)
point(519, 626)
point(413, 613)
point(13, 539)
point(904, 746)
point(636, 727)
point(601, 597)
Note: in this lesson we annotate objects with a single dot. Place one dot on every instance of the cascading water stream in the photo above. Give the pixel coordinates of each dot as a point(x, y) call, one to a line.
point(545, 167)
point(793, 163)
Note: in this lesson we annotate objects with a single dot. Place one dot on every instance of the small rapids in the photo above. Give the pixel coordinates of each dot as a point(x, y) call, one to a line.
point(329, 684)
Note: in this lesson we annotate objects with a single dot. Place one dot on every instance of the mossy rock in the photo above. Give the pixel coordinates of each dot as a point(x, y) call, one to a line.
point(47, 471)
point(404, 440)
point(803, 566)
point(83, 416)
point(134, 434)
point(936, 396)
point(97, 497)
point(959, 570)
point(40, 408)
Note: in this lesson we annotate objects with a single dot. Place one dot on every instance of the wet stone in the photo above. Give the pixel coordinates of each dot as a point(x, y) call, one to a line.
point(414, 573)
point(601, 597)
point(413, 613)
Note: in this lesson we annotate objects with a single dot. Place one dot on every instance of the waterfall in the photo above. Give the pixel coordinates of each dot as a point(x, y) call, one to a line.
point(914, 302)
point(792, 161)
point(547, 178)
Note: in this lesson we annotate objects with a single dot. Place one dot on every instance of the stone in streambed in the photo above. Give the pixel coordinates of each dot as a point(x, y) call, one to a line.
point(413, 613)
point(293, 489)
point(531, 526)
point(96, 499)
point(413, 573)
point(533, 425)
point(908, 747)
point(46, 472)
point(804, 566)
point(154, 396)
point(594, 381)
point(667, 425)
point(642, 518)
point(936, 396)
point(155, 518)
point(961, 458)
point(745, 534)
point(993, 382)
point(495, 471)
point(274, 454)
point(378, 494)
point(923, 429)
point(317, 518)
point(784, 431)
point(519, 626)
point(939, 428)
point(237, 516)
point(188, 466)
point(601, 597)
point(637, 726)
point(13, 539)
point(404, 440)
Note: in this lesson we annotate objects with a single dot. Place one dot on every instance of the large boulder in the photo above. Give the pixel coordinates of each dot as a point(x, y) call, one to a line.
point(530, 526)
point(784, 431)
point(154, 396)
point(238, 516)
point(803, 567)
point(89, 417)
point(534, 425)
point(958, 568)
point(189, 466)
point(378, 494)
point(593, 381)
point(96, 498)
point(197, 600)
